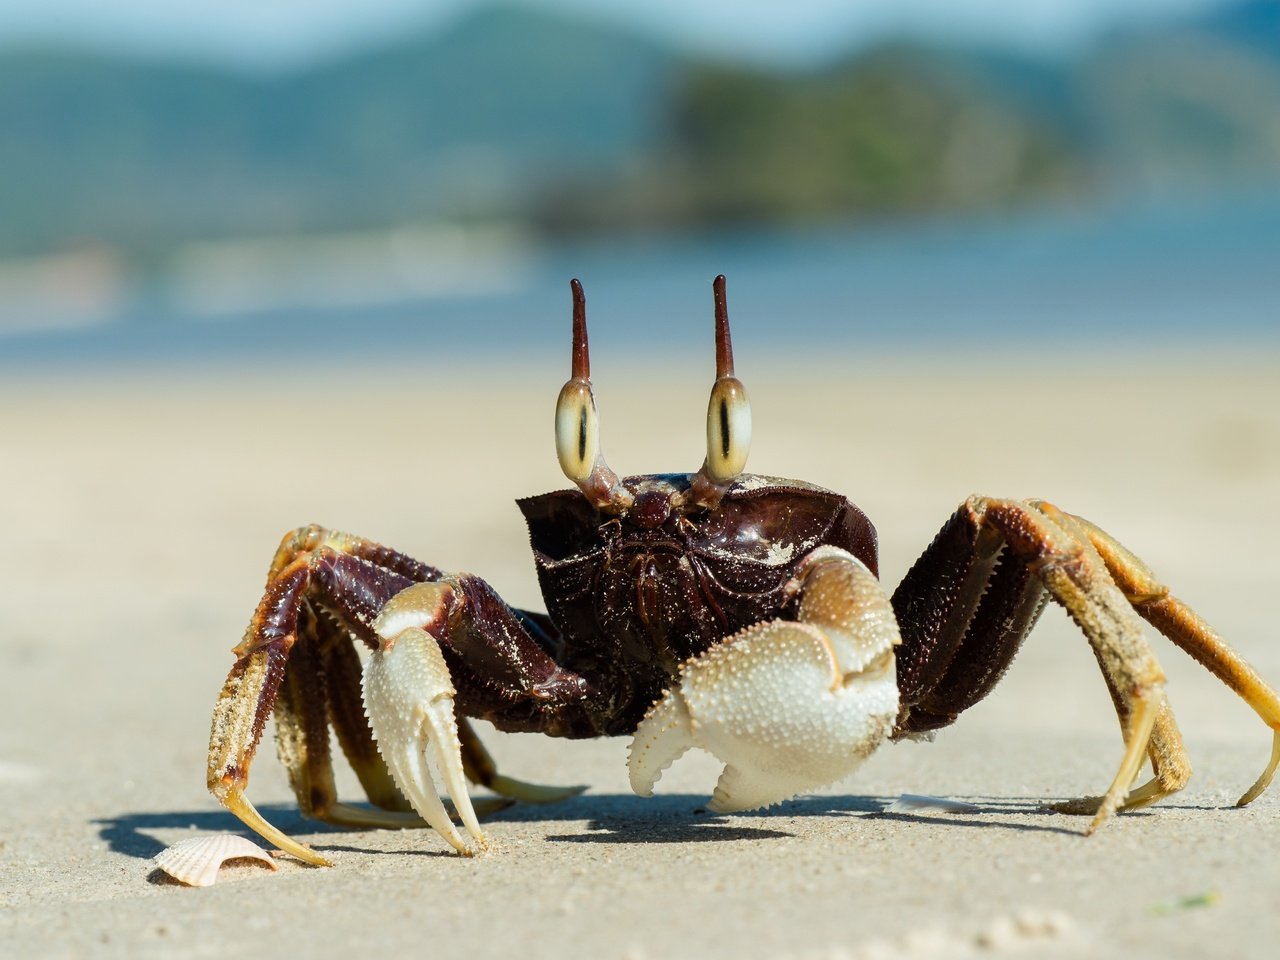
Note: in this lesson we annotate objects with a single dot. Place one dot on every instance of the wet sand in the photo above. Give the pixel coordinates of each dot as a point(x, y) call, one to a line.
point(140, 512)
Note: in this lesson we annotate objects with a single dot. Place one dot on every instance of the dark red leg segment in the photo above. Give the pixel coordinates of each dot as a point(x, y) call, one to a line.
point(503, 675)
point(1009, 608)
point(985, 580)
point(937, 600)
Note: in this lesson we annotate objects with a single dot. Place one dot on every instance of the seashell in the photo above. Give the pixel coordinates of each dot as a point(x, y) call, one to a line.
point(915, 803)
point(196, 861)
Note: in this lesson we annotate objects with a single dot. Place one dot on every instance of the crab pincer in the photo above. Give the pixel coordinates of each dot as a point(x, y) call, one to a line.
point(408, 697)
point(789, 706)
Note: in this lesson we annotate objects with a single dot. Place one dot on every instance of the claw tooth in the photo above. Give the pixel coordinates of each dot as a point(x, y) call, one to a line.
point(447, 753)
point(408, 699)
point(738, 790)
point(664, 735)
point(421, 789)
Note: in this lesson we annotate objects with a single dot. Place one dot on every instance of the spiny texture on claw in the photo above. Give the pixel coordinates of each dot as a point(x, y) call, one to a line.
point(408, 699)
point(773, 703)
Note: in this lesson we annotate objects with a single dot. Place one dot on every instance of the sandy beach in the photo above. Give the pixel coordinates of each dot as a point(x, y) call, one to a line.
point(140, 511)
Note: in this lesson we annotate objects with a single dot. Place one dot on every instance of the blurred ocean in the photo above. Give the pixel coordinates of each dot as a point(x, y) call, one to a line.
point(1203, 274)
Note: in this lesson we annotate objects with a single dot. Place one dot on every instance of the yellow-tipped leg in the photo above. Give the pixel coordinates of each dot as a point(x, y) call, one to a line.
point(366, 818)
point(1140, 723)
point(479, 767)
point(1263, 781)
point(1059, 551)
point(1183, 626)
point(239, 804)
point(531, 792)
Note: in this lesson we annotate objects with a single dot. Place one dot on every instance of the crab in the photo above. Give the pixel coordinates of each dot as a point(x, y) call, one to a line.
point(735, 613)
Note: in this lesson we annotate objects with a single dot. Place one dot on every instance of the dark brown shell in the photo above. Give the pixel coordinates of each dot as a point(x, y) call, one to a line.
point(638, 595)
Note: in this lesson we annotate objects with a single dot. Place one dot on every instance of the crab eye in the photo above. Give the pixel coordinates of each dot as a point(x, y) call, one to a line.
point(577, 431)
point(728, 429)
point(577, 428)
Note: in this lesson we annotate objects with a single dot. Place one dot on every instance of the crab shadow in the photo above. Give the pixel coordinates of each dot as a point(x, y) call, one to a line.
point(619, 818)
point(682, 818)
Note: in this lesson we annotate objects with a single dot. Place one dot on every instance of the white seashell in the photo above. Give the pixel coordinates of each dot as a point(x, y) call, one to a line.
point(196, 861)
point(915, 803)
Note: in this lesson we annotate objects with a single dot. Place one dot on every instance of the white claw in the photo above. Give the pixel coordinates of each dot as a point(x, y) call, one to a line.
point(660, 740)
point(408, 697)
point(774, 704)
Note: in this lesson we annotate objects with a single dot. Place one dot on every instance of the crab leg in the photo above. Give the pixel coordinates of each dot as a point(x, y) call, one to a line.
point(342, 677)
point(1184, 627)
point(1074, 576)
point(965, 610)
point(480, 768)
point(265, 669)
point(324, 591)
point(246, 701)
point(789, 706)
point(316, 690)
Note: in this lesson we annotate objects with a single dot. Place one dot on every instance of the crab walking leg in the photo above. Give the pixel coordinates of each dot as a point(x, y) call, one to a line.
point(342, 677)
point(344, 573)
point(302, 724)
point(788, 706)
point(479, 767)
point(325, 591)
point(1165, 749)
point(964, 586)
point(960, 587)
point(1184, 627)
point(247, 699)
point(303, 710)
point(313, 539)
point(408, 696)
point(1074, 577)
point(963, 616)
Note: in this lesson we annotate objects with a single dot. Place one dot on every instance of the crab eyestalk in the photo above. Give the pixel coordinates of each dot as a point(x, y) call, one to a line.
point(728, 418)
point(578, 426)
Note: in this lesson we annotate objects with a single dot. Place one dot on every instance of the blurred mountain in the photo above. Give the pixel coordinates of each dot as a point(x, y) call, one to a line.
point(568, 125)
point(1252, 24)
point(460, 124)
point(1188, 103)
point(899, 129)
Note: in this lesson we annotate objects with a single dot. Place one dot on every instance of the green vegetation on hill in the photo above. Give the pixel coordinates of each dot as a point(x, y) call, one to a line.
point(890, 133)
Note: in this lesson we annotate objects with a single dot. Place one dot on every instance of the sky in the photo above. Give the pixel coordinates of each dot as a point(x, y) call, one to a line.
point(274, 34)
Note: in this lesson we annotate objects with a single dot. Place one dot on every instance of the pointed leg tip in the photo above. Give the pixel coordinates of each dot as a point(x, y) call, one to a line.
point(1098, 821)
point(1264, 781)
point(300, 851)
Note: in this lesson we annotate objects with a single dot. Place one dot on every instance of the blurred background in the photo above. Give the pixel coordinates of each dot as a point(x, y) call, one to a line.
point(264, 264)
point(239, 180)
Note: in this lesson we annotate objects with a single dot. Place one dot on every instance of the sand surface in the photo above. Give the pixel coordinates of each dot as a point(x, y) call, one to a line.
point(140, 511)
